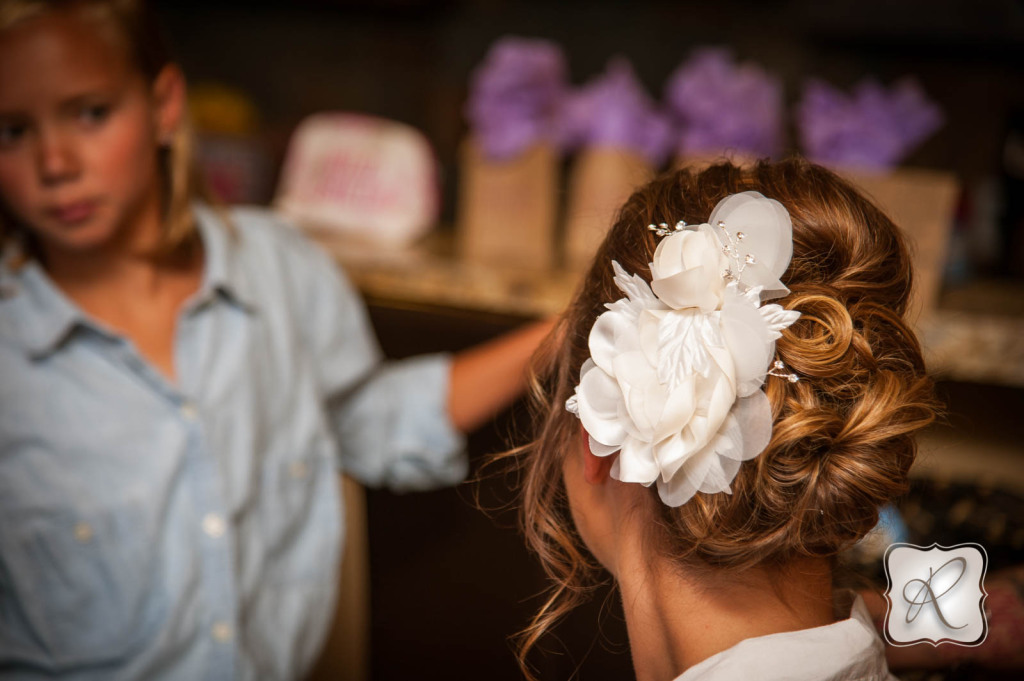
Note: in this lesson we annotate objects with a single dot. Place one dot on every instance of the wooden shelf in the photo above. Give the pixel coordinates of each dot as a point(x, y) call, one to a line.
point(976, 334)
point(431, 274)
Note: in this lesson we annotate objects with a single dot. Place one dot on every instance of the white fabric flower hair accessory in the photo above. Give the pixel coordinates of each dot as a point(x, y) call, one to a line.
point(676, 369)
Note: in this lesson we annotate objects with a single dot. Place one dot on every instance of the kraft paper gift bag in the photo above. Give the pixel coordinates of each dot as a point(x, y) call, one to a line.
point(600, 181)
point(699, 161)
point(507, 209)
point(923, 204)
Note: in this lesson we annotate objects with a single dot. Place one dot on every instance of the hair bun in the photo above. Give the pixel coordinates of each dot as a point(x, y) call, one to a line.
point(817, 345)
point(842, 441)
point(843, 435)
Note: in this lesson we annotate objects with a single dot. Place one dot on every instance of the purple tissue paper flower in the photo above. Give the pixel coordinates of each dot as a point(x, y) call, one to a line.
point(614, 110)
point(515, 94)
point(721, 105)
point(872, 128)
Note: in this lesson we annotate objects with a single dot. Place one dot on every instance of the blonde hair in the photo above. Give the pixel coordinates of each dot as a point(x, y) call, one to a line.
point(133, 22)
point(843, 436)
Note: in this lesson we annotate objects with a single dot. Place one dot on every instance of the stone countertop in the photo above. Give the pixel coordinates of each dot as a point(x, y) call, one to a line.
point(976, 334)
point(979, 347)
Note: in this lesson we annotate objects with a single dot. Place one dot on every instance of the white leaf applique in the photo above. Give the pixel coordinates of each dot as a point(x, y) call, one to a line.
point(572, 405)
point(777, 318)
point(634, 286)
point(683, 340)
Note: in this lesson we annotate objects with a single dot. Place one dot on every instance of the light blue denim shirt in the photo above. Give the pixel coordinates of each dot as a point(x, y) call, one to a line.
point(192, 531)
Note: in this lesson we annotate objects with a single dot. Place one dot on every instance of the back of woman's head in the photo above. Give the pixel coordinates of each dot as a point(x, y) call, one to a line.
point(131, 28)
point(842, 437)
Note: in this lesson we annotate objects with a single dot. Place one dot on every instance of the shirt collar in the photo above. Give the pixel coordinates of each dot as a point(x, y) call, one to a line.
point(223, 273)
point(848, 649)
point(41, 317)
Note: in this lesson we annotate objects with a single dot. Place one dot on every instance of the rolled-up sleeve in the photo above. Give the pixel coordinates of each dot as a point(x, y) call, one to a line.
point(390, 417)
point(394, 430)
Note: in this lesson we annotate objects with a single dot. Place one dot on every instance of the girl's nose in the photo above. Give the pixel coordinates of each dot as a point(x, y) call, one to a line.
point(57, 160)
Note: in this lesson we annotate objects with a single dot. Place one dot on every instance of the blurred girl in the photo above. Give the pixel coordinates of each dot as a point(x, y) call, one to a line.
point(713, 450)
point(179, 385)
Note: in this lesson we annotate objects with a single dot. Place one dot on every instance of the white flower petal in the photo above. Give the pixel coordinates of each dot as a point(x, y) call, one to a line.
point(678, 411)
point(768, 235)
point(642, 394)
point(749, 342)
point(648, 330)
point(687, 480)
point(728, 443)
point(598, 400)
point(730, 467)
point(715, 478)
point(636, 463)
point(671, 454)
point(600, 449)
point(753, 416)
point(687, 270)
point(711, 258)
point(693, 287)
point(720, 399)
point(612, 333)
point(668, 256)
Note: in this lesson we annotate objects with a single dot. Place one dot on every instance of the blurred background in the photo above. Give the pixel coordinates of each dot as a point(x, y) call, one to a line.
point(448, 584)
point(411, 60)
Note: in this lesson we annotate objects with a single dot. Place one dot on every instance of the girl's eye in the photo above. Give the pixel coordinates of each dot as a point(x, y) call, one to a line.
point(11, 133)
point(93, 114)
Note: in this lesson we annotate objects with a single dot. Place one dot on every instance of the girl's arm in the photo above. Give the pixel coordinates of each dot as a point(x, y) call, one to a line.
point(488, 377)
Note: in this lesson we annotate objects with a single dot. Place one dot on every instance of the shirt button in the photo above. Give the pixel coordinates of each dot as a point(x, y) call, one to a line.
point(213, 525)
point(222, 632)
point(83, 533)
point(189, 411)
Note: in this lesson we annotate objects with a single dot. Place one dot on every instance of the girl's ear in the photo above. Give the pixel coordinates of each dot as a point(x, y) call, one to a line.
point(596, 469)
point(169, 102)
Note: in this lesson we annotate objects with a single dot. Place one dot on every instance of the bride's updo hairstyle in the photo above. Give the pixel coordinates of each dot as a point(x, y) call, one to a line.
point(843, 435)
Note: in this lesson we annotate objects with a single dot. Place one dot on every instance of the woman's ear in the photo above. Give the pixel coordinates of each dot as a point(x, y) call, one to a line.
point(596, 469)
point(169, 100)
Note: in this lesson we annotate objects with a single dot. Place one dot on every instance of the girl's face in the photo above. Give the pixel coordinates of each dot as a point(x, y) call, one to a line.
point(78, 134)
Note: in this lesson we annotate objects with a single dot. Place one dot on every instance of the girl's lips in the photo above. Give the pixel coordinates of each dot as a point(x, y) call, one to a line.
point(73, 213)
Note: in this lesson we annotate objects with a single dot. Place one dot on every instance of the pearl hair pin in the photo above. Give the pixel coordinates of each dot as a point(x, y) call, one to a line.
point(662, 229)
point(779, 371)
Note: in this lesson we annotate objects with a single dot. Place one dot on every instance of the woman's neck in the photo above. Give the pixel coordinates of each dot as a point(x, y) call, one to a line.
point(125, 260)
point(676, 620)
point(125, 285)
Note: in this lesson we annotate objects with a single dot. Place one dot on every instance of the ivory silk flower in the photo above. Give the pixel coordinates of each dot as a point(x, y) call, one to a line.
point(673, 383)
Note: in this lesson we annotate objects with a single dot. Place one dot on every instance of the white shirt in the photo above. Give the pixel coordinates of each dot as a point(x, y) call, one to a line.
point(848, 650)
